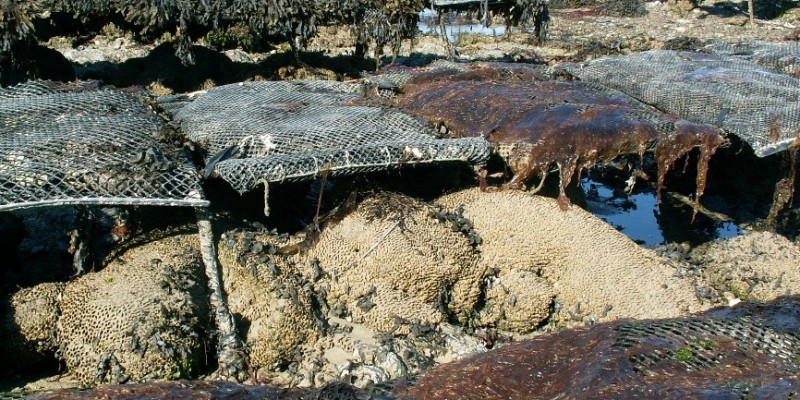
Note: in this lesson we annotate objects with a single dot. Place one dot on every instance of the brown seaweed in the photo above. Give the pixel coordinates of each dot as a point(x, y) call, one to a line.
point(687, 136)
point(784, 187)
point(536, 123)
point(743, 352)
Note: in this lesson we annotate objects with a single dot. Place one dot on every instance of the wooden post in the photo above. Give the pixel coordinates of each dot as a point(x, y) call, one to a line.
point(451, 51)
point(752, 12)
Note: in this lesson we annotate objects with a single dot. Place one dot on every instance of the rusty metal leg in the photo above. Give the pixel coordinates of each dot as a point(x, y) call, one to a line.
point(231, 357)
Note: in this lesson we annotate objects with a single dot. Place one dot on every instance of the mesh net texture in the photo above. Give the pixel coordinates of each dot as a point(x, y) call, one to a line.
point(760, 106)
point(261, 132)
point(536, 122)
point(782, 57)
point(79, 144)
point(746, 352)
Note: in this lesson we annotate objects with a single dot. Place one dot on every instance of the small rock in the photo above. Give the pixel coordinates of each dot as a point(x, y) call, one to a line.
point(364, 375)
point(237, 55)
point(363, 352)
point(117, 44)
point(391, 363)
point(737, 20)
point(84, 56)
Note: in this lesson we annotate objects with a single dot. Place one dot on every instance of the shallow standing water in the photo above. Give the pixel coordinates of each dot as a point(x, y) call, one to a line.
point(639, 216)
point(427, 26)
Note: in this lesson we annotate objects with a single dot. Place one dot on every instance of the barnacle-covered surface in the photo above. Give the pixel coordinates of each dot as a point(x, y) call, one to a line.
point(272, 305)
point(749, 351)
point(28, 325)
point(317, 307)
point(515, 300)
point(536, 123)
point(757, 266)
point(138, 319)
point(284, 287)
point(438, 274)
point(592, 282)
point(501, 260)
point(79, 143)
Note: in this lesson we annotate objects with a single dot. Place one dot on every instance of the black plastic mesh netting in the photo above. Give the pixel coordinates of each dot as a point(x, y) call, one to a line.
point(261, 132)
point(759, 105)
point(80, 144)
point(782, 57)
point(749, 351)
point(689, 341)
point(397, 76)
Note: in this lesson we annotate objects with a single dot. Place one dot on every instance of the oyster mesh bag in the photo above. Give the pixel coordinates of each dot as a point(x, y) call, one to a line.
point(745, 352)
point(396, 77)
point(79, 144)
point(263, 132)
point(782, 57)
point(759, 105)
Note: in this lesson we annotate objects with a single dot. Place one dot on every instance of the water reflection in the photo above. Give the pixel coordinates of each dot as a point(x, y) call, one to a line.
point(639, 217)
point(428, 26)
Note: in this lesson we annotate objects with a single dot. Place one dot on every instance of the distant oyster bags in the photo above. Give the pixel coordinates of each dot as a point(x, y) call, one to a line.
point(270, 132)
point(535, 123)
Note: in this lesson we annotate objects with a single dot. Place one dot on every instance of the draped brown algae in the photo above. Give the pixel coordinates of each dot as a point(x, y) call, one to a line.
point(721, 353)
point(535, 123)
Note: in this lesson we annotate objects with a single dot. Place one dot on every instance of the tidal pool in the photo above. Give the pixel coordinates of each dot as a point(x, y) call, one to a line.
point(640, 217)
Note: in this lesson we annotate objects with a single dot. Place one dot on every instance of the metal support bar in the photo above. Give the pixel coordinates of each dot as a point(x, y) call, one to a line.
point(231, 357)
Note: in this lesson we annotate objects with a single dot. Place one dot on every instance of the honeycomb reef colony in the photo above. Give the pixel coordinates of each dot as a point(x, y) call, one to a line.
point(358, 199)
